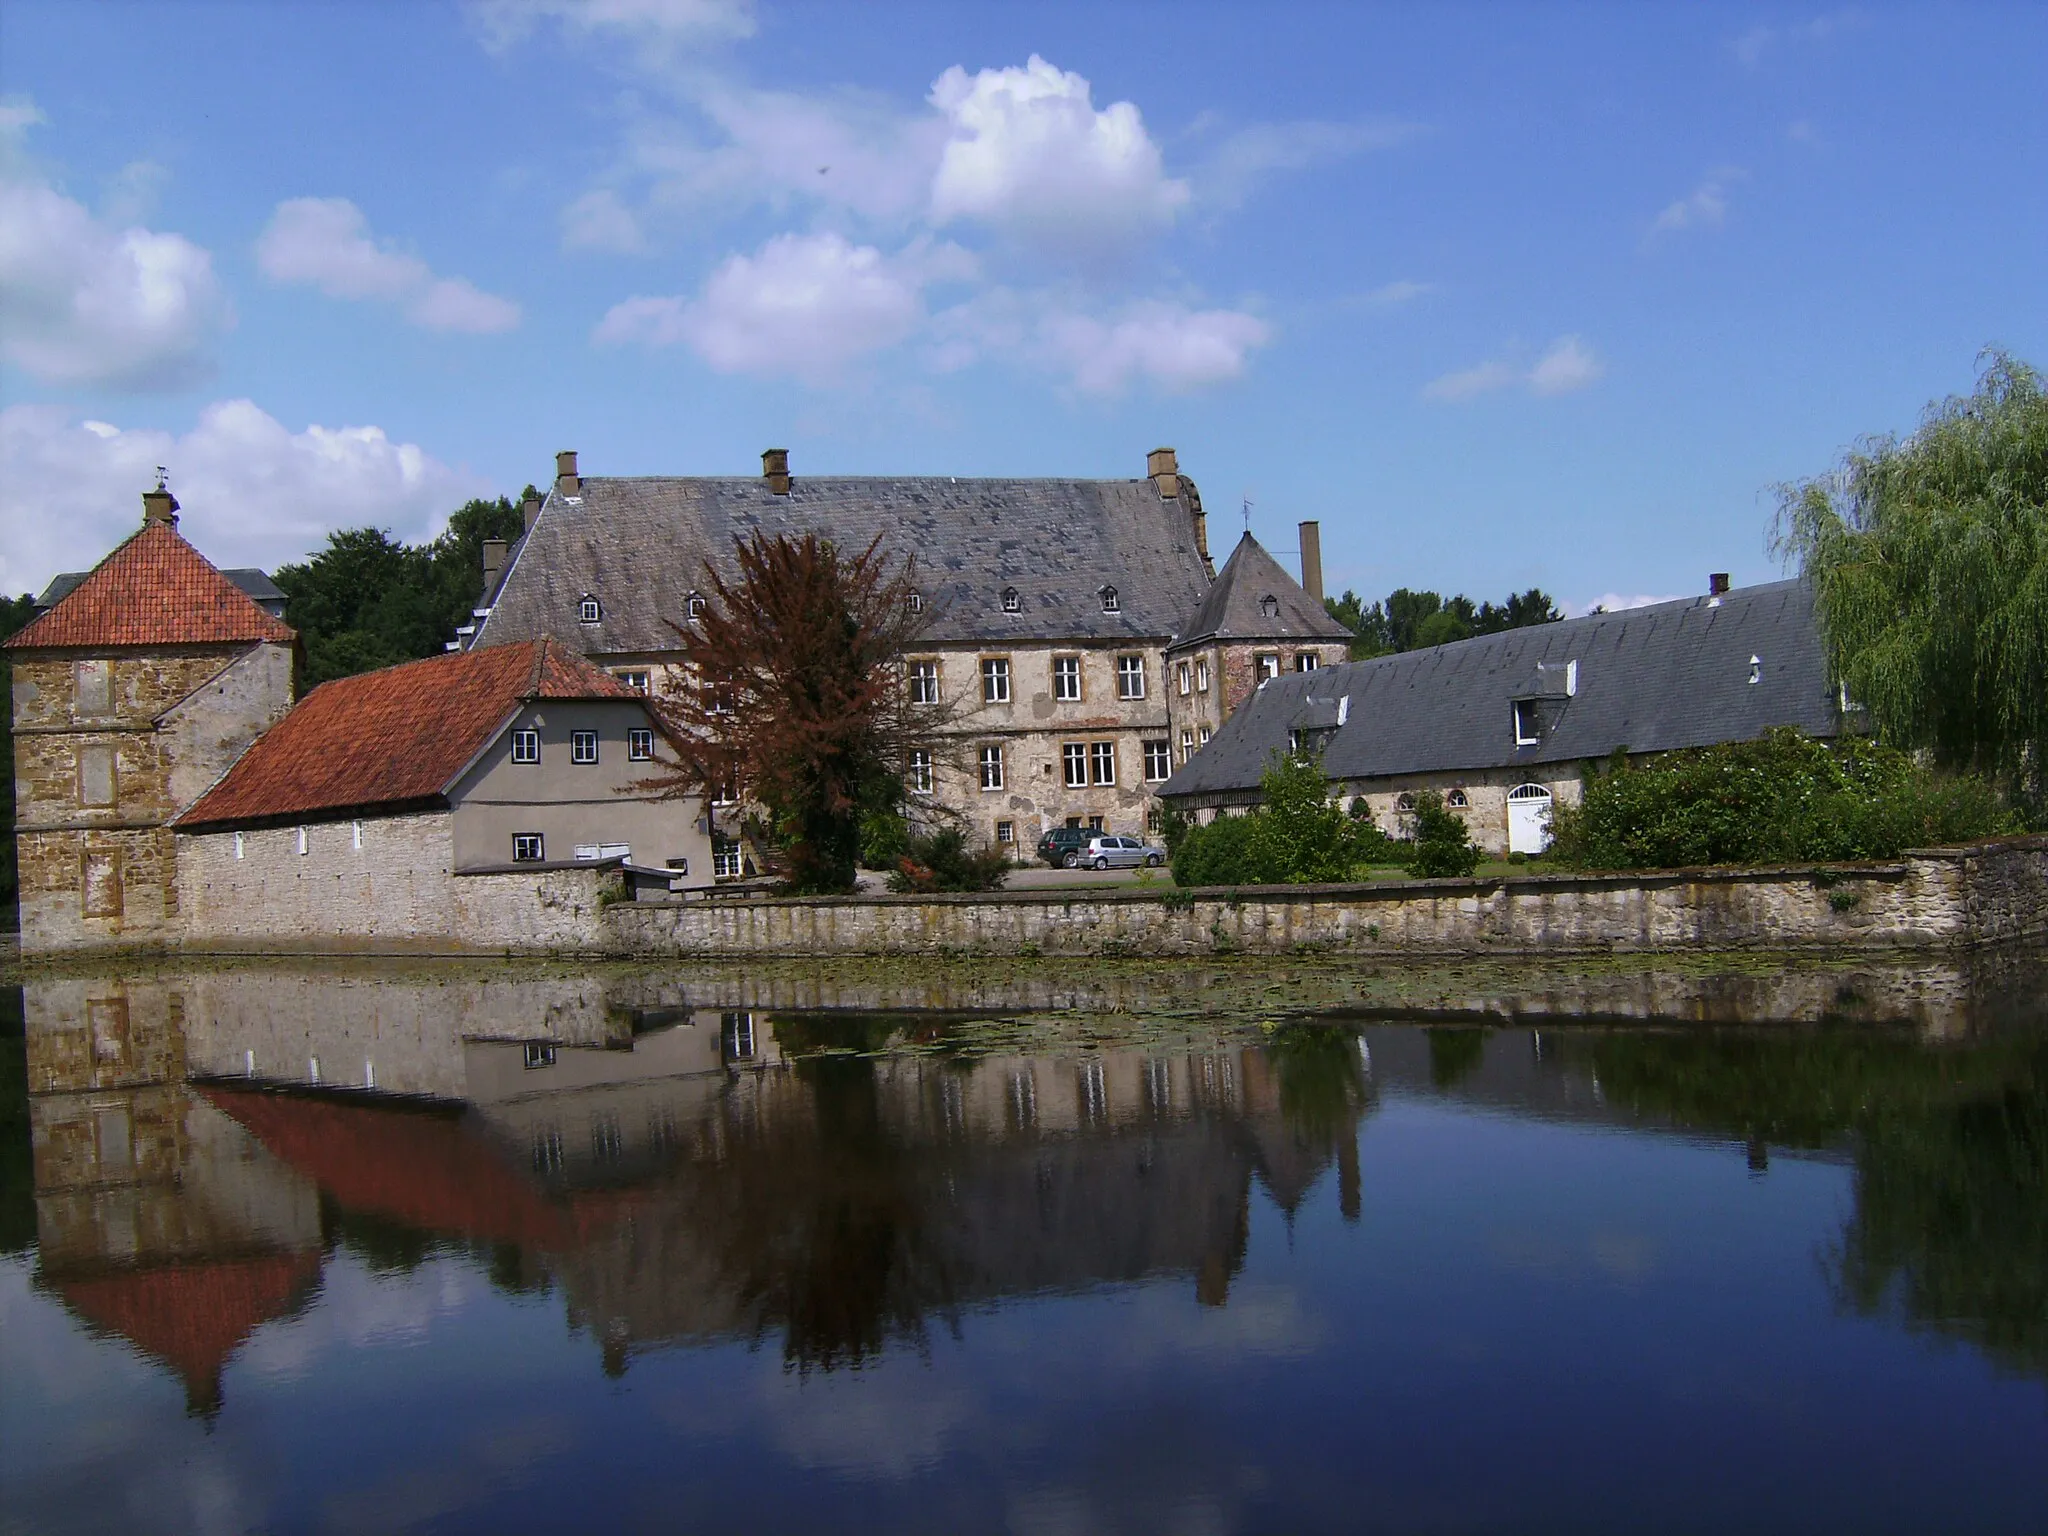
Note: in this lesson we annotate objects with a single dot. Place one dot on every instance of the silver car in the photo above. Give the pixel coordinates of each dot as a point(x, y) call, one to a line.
point(1119, 853)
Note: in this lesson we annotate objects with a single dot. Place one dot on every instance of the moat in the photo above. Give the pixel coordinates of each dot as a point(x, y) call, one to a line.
point(1044, 1247)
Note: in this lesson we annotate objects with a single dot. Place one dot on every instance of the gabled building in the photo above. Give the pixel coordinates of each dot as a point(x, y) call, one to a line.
point(1505, 725)
point(138, 686)
point(360, 815)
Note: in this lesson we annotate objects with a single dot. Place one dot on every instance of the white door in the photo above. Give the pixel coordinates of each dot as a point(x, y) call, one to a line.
point(1528, 818)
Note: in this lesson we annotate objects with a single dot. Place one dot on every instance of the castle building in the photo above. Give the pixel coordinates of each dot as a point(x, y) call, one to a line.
point(137, 688)
point(1056, 604)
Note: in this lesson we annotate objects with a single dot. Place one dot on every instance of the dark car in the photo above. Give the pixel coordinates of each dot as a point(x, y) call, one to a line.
point(1061, 847)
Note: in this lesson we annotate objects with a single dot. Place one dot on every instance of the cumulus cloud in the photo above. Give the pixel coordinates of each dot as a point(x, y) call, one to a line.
point(1568, 364)
point(1030, 154)
point(1705, 207)
point(253, 491)
point(803, 307)
point(85, 302)
point(662, 23)
point(1168, 345)
point(325, 243)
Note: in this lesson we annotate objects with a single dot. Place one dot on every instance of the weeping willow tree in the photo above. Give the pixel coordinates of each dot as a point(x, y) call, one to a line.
point(1929, 559)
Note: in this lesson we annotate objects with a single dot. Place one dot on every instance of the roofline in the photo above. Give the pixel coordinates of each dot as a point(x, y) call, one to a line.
point(310, 816)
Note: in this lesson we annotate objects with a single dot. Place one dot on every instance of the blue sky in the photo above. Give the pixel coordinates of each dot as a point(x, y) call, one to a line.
point(1503, 295)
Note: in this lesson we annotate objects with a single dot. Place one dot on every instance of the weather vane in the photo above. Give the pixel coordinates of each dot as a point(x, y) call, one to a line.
point(1247, 512)
point(163, 477)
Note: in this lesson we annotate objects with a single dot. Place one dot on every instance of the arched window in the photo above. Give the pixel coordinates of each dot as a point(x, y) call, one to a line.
point(1456, 800)
point(1109, 603)
point(1404, 802)
point(1528, 792)
point(1011, 601)
point(588, 611)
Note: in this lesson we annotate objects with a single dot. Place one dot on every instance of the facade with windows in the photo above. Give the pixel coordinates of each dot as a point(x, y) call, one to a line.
point(1055, 606)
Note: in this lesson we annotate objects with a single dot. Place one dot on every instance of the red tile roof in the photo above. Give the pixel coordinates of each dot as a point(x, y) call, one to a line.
point(393, 738)
point(155, 589)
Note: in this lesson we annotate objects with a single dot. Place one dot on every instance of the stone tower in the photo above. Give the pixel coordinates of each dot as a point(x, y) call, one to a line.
point(132, 694)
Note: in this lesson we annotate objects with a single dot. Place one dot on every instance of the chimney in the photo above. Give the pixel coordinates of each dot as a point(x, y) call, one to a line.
point(529, 512)
point(494, 565)
point(775, 470)
point(567, 481)
point(159, 506)
point(1163, 465)
point(1717, 584)
point(1312, 560)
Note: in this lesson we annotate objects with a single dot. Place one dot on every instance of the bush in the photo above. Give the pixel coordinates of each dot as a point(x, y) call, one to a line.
point(1443, 844)
point(1298, 836)
point(1783, 798)
point(884, 839)
point(942, 861)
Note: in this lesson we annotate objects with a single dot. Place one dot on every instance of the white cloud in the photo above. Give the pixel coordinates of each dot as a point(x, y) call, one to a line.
point(1392, 295)
point(803, 307)
point(325, 242)
point(663, 23)
point(253, 492)
point(85, 302)
point(1165, 344)
point(598, 221)
point(1751, 47)
point(1031, 156)
point(1568, 364)
point(1251, 155)
point(1615, 602)
point(1705, 207)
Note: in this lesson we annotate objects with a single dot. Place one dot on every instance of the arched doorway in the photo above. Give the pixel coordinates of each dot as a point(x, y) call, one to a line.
point(1528, 818)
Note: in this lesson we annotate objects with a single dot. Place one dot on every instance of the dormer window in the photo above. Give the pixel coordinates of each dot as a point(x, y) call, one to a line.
point(693, 605)
point(1528, 724)
point(588, 611)
point(1012, 603)
point(1269, 607)
point(916, 602)
point(1109, 602)
point(1756, 669)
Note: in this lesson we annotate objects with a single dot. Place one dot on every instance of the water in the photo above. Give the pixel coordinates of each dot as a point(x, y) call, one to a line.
point(1036, 1249)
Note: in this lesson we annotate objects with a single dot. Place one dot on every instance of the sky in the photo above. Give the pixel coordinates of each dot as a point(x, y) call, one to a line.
point(1502, 295)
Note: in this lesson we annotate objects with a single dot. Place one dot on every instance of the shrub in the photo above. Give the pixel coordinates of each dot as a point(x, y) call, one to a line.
point(1443, 844)
point(884, 839)
point(942, 861)
point(1298, 836)
point(1783, 798)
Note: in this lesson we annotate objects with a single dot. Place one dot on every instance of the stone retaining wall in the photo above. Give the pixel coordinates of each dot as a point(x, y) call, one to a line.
point(1938, 899)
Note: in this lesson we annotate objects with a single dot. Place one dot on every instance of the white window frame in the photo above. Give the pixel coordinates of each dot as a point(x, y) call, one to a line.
point(1066, 674)
point(1158, 761)
point(1306, 661)
point(1006, 833)
point(1202, 675)
point(728, 859)
point(1130, 677)
point(1528, 725)
point(305, 846)
point(1074, 764)
point(1102, 762)
point(583, 748)
point(1267, 664)
point(924, 680)
point(1110, 601)
point(529, 848)
point(589, 610)
point(916, 602)
point(355, 835)
point(694, 605)
point(1180, 677)
point(1206, 734)
point(1187, 743)
point(917, 776)
point(241, 846)
point(1012, 602)
point(640, 744)
point(526, 745)
point(995, 679)
point(992, 775)
point(634, 679)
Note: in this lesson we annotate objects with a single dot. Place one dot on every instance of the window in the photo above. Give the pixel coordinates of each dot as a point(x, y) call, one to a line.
point(1202, 675)
point(1066, 678)
point(1269, 607)
point(1206, 734)
point(588, 611)
point(1006, 832)
point(1404, 803)
point(1011, 601)
point(241, 847)
point(538, 1054)
point(640, 743)
point(304, 848)
point(1187, 745)
point(526, 745)
point(101, 892)
point(915, 602)
point(1180, 678)
point(528, 848)
point(924, 681)
point(93, 681)
point(1109, 602)
point(995, 679)
point(1528, 725)
point(1158, 761)
point(1102, 758)
point(1456, 800)
point(355, 835)
point(96, 776)
point(1306, 661)
point(583, 747)
point(1294, 739)
point(1268, 665)
point(1756, 669)
point(1094, 823)
point(726, 793)
point(1074, 760)
point(919, 774)
point(1130, 677)
point(992, 767)
point(637, 681)
point(726, 860)
point(721, 698)
point(693, 605)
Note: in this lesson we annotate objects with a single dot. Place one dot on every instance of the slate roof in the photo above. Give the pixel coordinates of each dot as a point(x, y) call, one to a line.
point(639, 546)
point(154, 589)
point(1648, 679)
point(1234, 607)
point(392, 739)
point(263, 592)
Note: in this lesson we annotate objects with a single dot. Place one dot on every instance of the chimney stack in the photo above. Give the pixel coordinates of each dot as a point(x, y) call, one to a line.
point(775, 470)
point(1312, 560)
point(1163, 465)
point(567, 481)
point(159, 506)
point(1717, 584)
point(529, 512)
point(494, 565)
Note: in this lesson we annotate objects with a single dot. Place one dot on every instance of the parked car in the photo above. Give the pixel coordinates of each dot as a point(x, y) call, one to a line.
point(1117, 853)
point(1059, 846)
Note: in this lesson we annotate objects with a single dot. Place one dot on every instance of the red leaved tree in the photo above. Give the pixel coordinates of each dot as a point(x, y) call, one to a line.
point(792, 698)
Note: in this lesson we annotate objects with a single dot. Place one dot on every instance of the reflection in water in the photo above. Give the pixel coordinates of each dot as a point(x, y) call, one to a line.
point(189, 1156)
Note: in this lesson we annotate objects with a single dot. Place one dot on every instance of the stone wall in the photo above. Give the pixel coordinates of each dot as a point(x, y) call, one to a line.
point(1935, 900)
point(384, 885)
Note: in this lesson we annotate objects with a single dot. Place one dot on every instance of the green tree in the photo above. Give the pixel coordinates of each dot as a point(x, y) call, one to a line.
point(1297, 836)
point(15, 612)
point(1929, 561)
point(1409, 621)
point(1443, 843)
